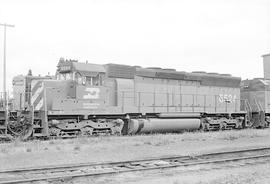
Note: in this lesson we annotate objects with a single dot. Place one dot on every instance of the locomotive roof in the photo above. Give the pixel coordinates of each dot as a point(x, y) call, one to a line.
point(89, 67)
point(80, 67)
point(207, 79)
point(265, 55)
point(21, 78)
point(129, 72)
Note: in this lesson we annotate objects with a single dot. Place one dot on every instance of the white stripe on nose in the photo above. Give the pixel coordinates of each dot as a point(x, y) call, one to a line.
point(39, 105)
point(36, 94)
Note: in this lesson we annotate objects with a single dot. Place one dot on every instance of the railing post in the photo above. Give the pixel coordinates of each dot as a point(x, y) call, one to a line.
point(168, 102)
point(154, 103)
point(45, 127)
point(134, 99)
point(181, 103)
point(204, 103)
point(123, 93)
point(215, 103)
point(20, 104)
point(173, 100)
point(139, 99)
point(193, 100)
point(235, 105)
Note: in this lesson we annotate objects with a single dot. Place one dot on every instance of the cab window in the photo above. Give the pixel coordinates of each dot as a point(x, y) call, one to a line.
point(92, 81)
point(64, 76)
point(89, 80)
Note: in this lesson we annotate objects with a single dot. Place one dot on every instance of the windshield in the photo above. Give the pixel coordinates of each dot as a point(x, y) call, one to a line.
point(64, 76)
point(83, 80)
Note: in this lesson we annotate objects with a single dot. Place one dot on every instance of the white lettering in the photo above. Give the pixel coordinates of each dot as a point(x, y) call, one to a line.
point(227, 98)
point(92, 93)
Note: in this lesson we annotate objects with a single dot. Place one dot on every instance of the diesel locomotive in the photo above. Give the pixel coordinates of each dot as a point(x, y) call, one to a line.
point(88, 99)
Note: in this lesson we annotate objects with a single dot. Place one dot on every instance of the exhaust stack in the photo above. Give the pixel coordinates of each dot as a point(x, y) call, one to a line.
point(266, 66)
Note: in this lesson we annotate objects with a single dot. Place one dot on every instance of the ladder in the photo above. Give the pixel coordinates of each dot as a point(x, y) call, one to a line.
point(248, 109)
point(3, 124)
point(260, 120)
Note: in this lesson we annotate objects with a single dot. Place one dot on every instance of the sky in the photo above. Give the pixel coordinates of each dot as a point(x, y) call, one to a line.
point(222, 36)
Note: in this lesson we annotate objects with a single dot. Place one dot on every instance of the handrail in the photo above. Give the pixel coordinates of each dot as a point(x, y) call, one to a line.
point(176, 100)
point(258, 105)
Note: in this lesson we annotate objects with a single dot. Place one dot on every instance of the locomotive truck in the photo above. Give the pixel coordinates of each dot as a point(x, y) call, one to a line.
point(87, 99)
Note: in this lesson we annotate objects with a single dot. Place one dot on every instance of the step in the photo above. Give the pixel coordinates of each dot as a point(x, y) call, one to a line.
point(38, 135)
point(3, 127)
point(37, 119)
point(5, 137)
point(36, 126)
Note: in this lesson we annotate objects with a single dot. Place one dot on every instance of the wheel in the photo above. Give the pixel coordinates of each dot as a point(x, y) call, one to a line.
point(53, 131)
point(86, 131)
point(223, 125)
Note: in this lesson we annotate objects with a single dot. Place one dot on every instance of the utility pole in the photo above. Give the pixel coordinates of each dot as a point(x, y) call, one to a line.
point(4, 68)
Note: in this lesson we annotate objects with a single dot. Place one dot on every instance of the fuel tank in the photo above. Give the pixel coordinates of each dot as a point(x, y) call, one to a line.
point(155, 125)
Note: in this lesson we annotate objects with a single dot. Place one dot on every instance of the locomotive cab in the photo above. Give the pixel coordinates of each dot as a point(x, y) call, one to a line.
point(88, 89)
point(67, 105)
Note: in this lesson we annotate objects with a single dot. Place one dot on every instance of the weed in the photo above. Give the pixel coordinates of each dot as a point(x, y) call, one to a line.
point(231, 137)
point(4, 150)
point(82, 140)
point(147, 142)
point(137, 144)
point(51, 142)
point(77, 148)
point(17, 142)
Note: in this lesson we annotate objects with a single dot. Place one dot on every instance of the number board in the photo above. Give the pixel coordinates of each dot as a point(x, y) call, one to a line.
point(65, 68)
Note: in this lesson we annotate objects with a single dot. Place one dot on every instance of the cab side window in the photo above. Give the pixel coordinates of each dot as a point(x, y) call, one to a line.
point(89, 80)
point(92, 81)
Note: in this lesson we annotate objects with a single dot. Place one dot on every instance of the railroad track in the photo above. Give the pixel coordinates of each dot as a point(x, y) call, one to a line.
point(63, 172)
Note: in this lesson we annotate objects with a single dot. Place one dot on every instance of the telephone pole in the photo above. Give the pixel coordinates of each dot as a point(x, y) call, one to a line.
point(4, 67)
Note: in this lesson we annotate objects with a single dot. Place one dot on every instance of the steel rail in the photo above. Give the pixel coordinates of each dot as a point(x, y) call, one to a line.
point(132, 166)
point(65, 166)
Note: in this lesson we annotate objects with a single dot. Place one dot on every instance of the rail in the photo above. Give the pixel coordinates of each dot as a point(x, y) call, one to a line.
point(58, 172)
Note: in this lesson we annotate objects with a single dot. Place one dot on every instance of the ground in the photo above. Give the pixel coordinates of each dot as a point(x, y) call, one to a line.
point(119, 148)
point(258, 174)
